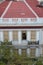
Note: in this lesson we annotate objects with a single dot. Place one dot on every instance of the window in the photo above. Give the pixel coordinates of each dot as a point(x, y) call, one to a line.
point(6, 36)
point(32, 52)
point(15, 35)
point(16, 51)
point(24, 52)
point(33, 35)
point(23, 35)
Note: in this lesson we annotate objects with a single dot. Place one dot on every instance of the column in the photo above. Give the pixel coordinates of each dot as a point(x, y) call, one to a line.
point(20, 51)
point(19, 36)
point(37, 52)
point(37, 36)
point(10, 36)
point(40, 37)
point(1, 36)
point(28, 51)
point(28, 35)
point(41, 41)
point(40, 51)
point(42, 44)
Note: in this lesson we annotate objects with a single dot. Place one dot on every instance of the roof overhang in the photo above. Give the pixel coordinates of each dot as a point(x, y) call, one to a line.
point(21, 27)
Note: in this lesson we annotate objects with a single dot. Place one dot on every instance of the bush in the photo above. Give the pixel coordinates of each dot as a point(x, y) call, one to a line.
point(2, 63)
point(39, 63)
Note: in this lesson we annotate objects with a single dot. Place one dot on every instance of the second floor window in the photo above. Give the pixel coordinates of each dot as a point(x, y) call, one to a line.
point(23, 35)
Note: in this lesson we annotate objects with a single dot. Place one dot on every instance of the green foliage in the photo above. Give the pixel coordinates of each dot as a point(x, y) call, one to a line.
point(6, 43)
point(9, 56)
point(2, 63)
point(39, 63)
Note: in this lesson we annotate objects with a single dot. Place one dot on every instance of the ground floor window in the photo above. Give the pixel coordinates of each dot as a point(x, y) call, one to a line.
point(24, 52)
point(32, 52)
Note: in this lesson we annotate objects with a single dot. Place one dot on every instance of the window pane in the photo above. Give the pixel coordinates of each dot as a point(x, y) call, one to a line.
point(15, 35)
point(33, 35)
point(6, 36)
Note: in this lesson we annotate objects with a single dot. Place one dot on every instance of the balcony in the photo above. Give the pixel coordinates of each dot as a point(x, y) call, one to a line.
point(25, 44)
point(22, 45)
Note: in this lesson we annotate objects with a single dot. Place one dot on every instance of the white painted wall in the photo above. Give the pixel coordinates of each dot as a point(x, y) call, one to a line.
point(37, 54)
point(28, 51)
point(20, 51)
point(19, 36)
point(40, 37)
point(28, 35)
point(37, 36)
point(10, 36)
point(1, 36)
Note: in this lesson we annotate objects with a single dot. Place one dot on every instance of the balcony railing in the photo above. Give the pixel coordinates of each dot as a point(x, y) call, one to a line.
point(33, 42)
point(21, 21)
point(23, 45)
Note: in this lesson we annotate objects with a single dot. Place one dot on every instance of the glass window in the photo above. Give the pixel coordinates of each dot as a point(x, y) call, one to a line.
point(33, 35)
point(15, 35)
point(6, 35)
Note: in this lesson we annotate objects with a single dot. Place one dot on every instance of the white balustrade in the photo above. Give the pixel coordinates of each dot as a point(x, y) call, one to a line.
point(21, 21)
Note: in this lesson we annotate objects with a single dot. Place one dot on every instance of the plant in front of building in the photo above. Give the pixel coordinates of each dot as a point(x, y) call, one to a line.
point(6, 43)
point(6, 53)
point(2, 63)
point(39, 62)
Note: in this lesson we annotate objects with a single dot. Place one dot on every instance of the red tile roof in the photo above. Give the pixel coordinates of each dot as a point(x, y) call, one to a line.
point(21, 10)
point(34, 4)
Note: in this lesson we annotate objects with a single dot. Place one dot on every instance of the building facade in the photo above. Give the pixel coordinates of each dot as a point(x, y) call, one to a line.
point(25, 30)
point(26, 37)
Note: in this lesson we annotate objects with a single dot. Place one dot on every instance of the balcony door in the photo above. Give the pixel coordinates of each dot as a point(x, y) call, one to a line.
point(23, 35)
